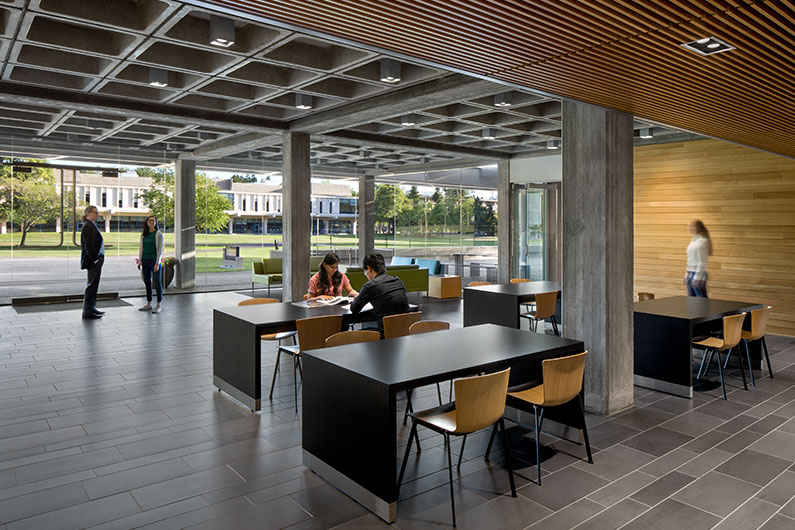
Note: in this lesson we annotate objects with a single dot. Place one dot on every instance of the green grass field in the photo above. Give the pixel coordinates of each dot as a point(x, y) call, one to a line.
point(208, 246)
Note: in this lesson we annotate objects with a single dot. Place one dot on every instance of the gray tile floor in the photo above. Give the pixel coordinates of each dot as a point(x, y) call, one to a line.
point(115, 424)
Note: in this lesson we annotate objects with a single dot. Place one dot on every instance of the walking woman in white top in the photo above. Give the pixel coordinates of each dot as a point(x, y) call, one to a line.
point(697, 251)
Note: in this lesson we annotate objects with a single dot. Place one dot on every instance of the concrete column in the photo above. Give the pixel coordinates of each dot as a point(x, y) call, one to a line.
point(598, 249)
point(3, 226)
point(265, 225)
point(366, 221)
point(296, 220)
point(58, 225)
point(504, 219)
point(230, 226)
point(107, 216)
point(185, 223)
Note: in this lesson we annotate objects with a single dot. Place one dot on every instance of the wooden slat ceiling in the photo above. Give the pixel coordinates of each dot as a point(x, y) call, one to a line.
point(620, 54)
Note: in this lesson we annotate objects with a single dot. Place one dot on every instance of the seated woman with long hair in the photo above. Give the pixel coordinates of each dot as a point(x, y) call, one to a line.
point(329, 282)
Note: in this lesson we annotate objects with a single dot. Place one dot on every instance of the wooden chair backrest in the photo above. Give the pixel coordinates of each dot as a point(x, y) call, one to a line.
point(645, 296)
point(759, 322)
point(476, 284)
point(563, 378)
point(398, 325)
point(546, 303)
point(519, 280)
point(732, 330)
point(426, 326)
point(257, 301)
point(352, 337)
point(313, 332)
point(480, 401)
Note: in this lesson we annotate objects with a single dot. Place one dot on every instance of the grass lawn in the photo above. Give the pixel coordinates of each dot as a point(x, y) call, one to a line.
point(208, 246)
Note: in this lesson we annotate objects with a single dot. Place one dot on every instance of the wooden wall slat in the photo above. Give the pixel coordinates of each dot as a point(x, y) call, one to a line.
point(745, 197)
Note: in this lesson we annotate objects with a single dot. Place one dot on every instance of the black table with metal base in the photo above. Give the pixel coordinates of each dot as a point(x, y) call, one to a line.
point(350, 393)
point(499, 304)
point(664, 333)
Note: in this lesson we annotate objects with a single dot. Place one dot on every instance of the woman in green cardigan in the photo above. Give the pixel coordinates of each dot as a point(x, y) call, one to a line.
point(149, 253)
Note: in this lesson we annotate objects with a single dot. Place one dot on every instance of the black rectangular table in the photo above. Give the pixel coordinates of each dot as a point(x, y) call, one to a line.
point(664, 333)
point(349, 397)
point(237, 347)
point(499, 304)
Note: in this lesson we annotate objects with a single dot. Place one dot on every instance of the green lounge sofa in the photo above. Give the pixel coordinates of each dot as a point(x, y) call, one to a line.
point(269, 271)
point(414, 278)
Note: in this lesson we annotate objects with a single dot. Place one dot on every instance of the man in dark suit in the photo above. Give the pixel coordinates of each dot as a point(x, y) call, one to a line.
point(386, 293)
point(92, 257)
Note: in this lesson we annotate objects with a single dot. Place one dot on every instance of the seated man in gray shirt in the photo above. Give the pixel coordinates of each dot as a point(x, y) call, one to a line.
point(386, 293)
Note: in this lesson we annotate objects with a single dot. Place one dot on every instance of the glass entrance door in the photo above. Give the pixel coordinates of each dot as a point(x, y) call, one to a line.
point(535, 228)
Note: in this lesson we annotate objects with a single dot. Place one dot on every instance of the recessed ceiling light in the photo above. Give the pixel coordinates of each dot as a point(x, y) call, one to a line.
point(390, 71)
point(488, 134)
point(408, 120)
point(552, 144)
point(502, 100)
point(303, 101)
point(708, 46)
point(158, 77)
point(645, 133)
point(222, 31)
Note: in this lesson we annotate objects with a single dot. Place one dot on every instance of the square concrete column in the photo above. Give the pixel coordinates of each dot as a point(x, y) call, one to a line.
point(185, 223)
point(504, 217)
point(598, 249)
point(366, 219)
point(296, 219)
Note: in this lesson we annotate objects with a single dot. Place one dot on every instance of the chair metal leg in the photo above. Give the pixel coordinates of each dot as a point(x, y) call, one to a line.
point(439, 393)
point(409, 408)
point(451, 391)
point(748, 357)
point(720, 368)
point(461, 454)
point(507, 456)
point(491, 441)
point(450, 473)
point(767, 358)
point(740, 362)
point(406, 455)
point(275, 370)
point(538, 446)
point(701, 367)
point(295, 382)
point(555, 325)
point(585, 432)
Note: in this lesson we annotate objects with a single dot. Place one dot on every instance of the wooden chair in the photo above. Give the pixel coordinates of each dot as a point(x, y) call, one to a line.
point(519, 280)
point(312, 335)
point(477, 284)
point(279, 337)
point(546, 304)
point(398, 325)
point(645, 296)
point(480, 403)
point(562, 382)
point(429, 326)
point(758, 330)
point(732, 333)
point(352, 337)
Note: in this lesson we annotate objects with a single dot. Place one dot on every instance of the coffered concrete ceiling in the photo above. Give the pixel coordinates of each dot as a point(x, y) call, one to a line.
point(75, 81)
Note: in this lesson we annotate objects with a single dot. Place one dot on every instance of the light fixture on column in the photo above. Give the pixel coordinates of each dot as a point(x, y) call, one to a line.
point(553, 144)
point(303, 101)
point(488, 134)
point(222, 31)
point(390, 71)
point(408, 120)
point(158, 77)
point(502, 100)
point(645, 133)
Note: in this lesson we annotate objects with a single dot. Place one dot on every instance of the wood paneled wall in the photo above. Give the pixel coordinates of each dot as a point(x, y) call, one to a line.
point(746, 199)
